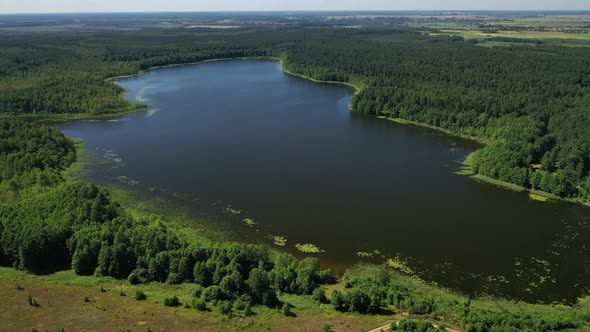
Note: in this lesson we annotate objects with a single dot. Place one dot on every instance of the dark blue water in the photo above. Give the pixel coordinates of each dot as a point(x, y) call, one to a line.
point(288, 153)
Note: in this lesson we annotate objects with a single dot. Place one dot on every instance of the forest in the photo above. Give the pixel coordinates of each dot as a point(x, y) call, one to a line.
point(49, 226)
point(527, 103)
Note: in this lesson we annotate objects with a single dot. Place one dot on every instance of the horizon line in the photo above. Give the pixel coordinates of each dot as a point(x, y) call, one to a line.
point(307, 11)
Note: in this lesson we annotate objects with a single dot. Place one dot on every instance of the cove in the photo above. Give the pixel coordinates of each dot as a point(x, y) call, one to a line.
point(231, 136)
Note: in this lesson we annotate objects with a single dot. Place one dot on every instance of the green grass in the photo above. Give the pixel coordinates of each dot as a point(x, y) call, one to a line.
point(91, 302)
point(438, 129)
point(549, 37)
point(537, 197)
point(498, 183)
point(76, 170)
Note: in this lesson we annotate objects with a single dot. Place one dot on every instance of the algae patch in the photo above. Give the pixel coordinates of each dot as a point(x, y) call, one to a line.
point(308, 248)
point(280, 241)
point(399, 265)
point(249, 221)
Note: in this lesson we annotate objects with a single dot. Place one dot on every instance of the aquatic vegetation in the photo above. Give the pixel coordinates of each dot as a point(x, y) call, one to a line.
point(127, 180)
point(308, 248)
point(230, 210)
point(398, 264)
point(113, 157)
point(280, 241)
point(150, 113)
point(140, 95)
point(249, 221)
point(364, 254)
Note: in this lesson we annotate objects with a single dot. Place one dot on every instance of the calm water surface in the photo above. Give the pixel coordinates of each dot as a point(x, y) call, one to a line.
point(289, 154)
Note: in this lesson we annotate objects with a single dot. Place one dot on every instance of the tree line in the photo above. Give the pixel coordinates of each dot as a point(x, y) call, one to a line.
point(487, 93)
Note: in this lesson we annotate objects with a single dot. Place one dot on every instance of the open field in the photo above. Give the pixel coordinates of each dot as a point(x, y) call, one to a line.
point(476, 34)
point(97, 304)
point(204, 26)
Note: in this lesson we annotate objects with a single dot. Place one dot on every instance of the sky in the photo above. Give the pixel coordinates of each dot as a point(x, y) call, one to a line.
point(79, 6)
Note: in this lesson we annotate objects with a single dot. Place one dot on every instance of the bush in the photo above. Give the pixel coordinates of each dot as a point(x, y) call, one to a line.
point(172, 301)
point(199, 304)
point(213, 293)
point(198, 291)
point(32, 301)
point(138, 276)
point(319, 294)
point(326, 276)
point(327, 327)
point(286, 310)
point(225, 307)
point(140, 295)
point(338, 301)
point(410, 325)
point(241, 302)
point(421, 307)
point(248, 310)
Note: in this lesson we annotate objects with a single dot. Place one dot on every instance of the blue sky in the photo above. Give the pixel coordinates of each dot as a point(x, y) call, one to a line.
point(62, 6)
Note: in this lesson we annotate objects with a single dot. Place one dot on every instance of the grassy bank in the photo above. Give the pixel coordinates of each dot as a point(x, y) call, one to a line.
point(438, 129)
point(97, 303)
point(76, 170)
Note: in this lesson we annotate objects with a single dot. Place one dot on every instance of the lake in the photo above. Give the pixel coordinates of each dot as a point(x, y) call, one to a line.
point(241, 140)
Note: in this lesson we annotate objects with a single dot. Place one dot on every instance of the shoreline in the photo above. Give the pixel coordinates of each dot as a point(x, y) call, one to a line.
point(533, 193)
point(82, 162)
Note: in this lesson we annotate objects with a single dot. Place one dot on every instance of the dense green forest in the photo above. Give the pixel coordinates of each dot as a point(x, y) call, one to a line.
point(528, 103)
point(31, 155)
point(49, 226)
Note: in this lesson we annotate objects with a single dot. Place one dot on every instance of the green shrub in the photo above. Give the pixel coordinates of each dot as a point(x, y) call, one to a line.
point(199, 304)
point(172, 301)
point(198, 291)
point(225, 307)
point(286, 310)
point(410, 325)
point(140, 295)
point(319, 294)
point(248, 310)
